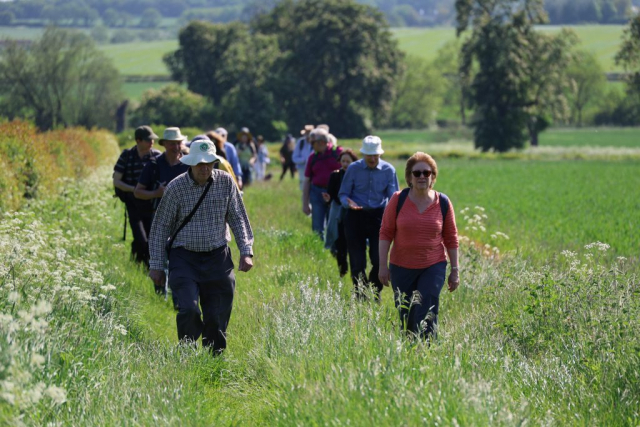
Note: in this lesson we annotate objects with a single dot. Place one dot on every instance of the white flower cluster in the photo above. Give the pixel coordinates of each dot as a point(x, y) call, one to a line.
point(474, 219)
point(46, 279)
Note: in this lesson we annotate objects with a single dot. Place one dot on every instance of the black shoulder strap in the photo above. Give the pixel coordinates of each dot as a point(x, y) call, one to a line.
point(401, 199)
point(191, 214)
point(444, 206)
point(444, 203)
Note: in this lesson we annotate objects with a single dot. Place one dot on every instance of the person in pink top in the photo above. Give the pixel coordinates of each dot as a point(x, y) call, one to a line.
point(423, 232)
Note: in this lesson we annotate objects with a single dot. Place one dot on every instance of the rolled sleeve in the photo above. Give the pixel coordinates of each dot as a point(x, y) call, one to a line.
point(239, 222)
point(161, 229)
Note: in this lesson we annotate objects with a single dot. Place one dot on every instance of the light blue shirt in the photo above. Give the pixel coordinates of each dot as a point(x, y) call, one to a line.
point(369, 188)
point(232, 158)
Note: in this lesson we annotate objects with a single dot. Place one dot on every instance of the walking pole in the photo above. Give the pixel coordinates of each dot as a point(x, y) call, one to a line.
point(124, 232)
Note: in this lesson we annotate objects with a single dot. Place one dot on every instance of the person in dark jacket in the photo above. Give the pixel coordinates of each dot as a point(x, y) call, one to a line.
point(286, 156)
point(335, 239)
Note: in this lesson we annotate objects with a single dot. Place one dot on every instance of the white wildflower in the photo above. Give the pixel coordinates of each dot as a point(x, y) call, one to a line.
point(107, 288)
point(119, 328)
point(57, 394)
point(42, 308)
point(37, 360)
point(14, 297)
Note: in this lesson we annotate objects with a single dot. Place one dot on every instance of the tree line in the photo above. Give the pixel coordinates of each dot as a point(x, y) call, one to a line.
point(335, 61)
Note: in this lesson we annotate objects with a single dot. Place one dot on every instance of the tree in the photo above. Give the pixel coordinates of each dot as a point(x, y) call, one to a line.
point(170, 105)
point(419, 95)
point(456, 87)
point(150, 18)
point(339, 63)
point(520, 75)
point(62, 79)
point(233, 69)
point(587, 84)
point(629, 57)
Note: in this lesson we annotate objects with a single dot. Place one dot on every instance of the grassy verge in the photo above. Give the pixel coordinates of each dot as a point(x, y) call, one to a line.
point(85, 342)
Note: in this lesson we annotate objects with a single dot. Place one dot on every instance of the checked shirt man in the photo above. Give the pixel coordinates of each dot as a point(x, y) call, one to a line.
point(201, 272)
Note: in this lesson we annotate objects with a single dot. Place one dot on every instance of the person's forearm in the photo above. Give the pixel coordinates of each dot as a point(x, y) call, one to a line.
point(141, 194)
point(305, 192)
point(383, 251)
point(122, 186)
point(453, 257)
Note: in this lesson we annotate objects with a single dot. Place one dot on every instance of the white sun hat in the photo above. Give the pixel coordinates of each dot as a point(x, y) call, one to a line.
point(201, 151)
point(371, 146)
point(172, 134)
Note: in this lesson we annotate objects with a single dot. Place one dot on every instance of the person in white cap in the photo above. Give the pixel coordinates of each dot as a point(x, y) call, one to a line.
point(232, 155)
point(200, 265)
point(366, 189)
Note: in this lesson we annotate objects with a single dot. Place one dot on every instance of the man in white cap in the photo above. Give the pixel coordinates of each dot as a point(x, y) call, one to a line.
point(366, 189)
point(200, 265)
point(232, 155)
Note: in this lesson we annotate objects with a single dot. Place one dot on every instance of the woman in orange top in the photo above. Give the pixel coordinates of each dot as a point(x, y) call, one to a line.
point(423, 232)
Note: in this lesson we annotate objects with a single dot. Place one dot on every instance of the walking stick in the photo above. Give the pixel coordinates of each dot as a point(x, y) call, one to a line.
point(124, 232)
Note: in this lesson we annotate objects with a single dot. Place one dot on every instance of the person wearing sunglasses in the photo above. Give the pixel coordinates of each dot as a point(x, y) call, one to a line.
point(422, 226)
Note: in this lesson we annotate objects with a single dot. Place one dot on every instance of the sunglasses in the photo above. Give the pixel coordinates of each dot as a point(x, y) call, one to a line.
point(426, 174)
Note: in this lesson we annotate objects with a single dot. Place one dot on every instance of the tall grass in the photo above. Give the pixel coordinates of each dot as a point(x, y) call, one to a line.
point(84, 340)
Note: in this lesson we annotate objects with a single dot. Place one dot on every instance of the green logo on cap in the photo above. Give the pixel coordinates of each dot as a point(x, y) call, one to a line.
point(204, 147)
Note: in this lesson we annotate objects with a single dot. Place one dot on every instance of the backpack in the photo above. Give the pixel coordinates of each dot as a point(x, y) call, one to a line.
point(122, 195)
point(444, 203)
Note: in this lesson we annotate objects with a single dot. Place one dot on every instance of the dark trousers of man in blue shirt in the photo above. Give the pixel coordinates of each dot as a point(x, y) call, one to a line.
point(140, 221)
point(360, 226)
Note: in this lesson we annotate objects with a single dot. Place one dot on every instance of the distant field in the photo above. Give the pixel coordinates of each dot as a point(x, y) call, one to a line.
point(602, 40)
point(554, 137)
point(140, 58)
point(145, 58)
point(134, 90)
point(601, 137)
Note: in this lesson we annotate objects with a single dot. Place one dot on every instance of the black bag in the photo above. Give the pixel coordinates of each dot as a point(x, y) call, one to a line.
point(170, 240)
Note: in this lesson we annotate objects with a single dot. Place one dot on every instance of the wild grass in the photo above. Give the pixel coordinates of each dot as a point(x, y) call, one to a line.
point(84, 340)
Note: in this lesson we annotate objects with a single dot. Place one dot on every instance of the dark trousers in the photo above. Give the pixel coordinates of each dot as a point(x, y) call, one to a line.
point(341, 250)
point(417, 296)
point(206, 277)
point(291, 167)
point(140, 222)
point(360, 226)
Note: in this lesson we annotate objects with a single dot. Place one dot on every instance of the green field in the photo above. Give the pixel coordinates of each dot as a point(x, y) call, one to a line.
point(134, 90)
point(601, 40)
point(140, 58)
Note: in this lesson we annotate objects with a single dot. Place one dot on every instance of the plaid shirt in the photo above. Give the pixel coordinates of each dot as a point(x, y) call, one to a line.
point(208, 228)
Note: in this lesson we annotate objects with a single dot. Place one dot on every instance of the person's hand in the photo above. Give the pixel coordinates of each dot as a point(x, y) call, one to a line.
point(246, 262)
point(353, 205)
point(158, 277)
point(240, 183)
point(160, 190)
point(454, 280)
point(306, 209)
point(383, 275)
point(326, 197)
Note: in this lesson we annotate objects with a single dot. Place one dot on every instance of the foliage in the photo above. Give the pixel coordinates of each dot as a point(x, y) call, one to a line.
point(171, 104)
point(520, 73)
point(62, 79)
point(629, 57)
point(150, 18)
point(587, 84)
point(32, 164)
point(419, 95)
point(338, 65)
point(232, 68)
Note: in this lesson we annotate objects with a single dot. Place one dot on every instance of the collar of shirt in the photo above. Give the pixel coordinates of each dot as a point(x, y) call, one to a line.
point(378, 166)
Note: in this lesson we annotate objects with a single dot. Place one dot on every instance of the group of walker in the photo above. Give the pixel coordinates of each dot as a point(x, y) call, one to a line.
point(356, 206)
point(183, 202)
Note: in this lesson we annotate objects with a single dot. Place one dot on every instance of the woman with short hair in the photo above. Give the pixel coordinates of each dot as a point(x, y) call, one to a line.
point(421, 224)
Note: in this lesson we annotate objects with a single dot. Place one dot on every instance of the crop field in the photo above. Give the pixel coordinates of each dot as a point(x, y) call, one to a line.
point(140, 58)
point(134, 90)
point(85, 341)
point(601, 40)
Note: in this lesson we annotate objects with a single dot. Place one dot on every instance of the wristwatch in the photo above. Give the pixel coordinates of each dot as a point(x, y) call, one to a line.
point(455, 268)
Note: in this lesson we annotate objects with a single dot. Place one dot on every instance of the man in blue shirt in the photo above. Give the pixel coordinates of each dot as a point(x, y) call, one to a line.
point(366, 189)
point(232, 155)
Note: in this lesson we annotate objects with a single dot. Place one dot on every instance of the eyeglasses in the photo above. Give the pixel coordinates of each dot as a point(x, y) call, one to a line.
point(426, 174)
